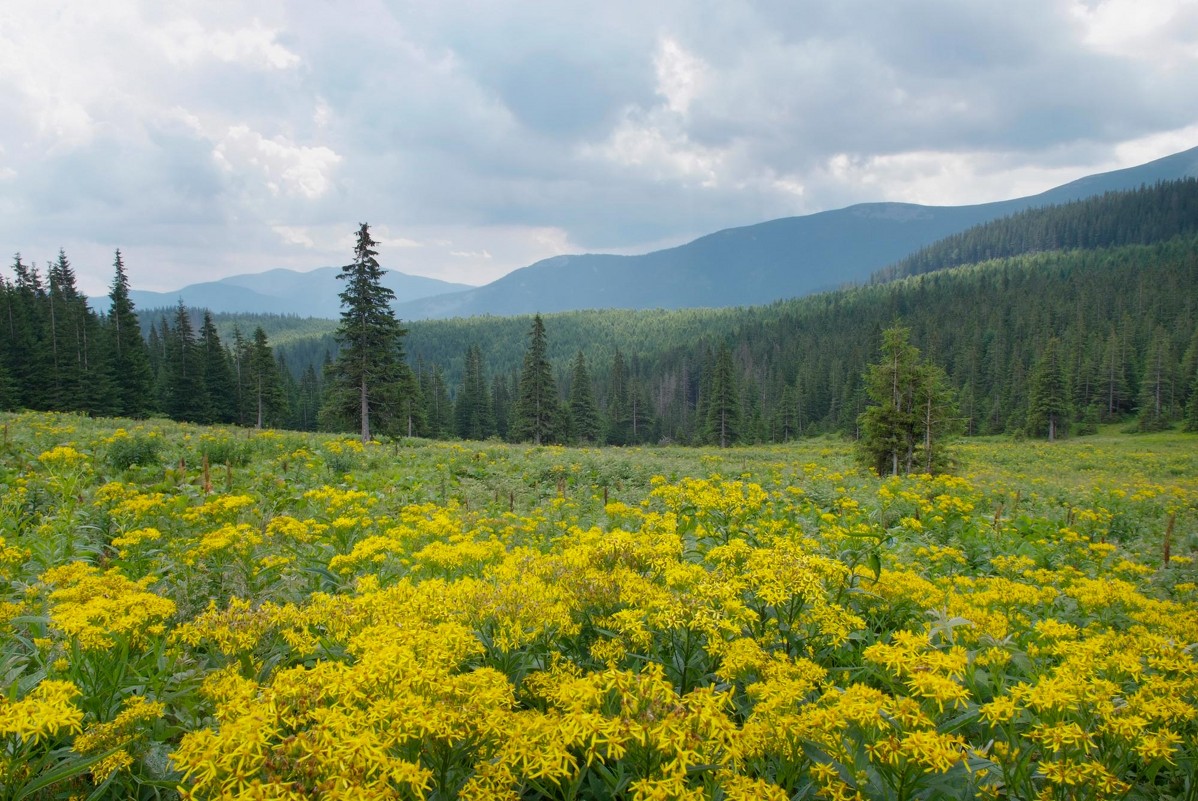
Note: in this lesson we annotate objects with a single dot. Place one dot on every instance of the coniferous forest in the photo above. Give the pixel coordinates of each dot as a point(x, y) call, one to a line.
point(1046, 323)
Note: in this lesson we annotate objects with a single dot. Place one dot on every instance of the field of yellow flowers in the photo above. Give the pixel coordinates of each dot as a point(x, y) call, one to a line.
point(219, 613)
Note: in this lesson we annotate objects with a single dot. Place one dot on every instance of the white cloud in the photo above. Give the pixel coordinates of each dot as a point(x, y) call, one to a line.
point(186, 41)
point(680, 75)
point(292, 235)
point(286, 168)
point(1160, 31)
point(656, 147)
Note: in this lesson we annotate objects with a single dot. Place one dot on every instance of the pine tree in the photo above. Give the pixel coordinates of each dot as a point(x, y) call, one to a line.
point(307, 405)
point(584, 415)
point(1192, 406)
point(1156, 386)
point(30, 365)
point(1049, 408)
point(1113, 377)
point(619, 403)
point(370, 383)
point(909, 417)
point(438, 408)
point(473, 415)
point(68, 339)
point(264, 382)
point(132, 374)
point(501, 404)
point(723, 402)
point(220, 386)
point(536, 395)
point(183, 376)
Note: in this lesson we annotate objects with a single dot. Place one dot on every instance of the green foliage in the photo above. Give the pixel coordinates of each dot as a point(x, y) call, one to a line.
point(584, 414)
point(1138, 217)
point(911, 411)
point(131, 369)
point(722, 404)
point(536, 412)
point(369, 382)
point(473, 413)
point(124, 450)
point(1049, 410)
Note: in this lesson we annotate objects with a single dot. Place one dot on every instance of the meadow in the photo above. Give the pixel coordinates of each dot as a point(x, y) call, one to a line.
point(221, 613)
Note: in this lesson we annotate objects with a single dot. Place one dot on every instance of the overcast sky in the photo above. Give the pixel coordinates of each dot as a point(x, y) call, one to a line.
point(211, 138)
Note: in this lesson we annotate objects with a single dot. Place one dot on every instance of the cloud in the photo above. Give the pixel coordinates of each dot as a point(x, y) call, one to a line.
point(206, 139)
point(284, 167)
point(186, 41)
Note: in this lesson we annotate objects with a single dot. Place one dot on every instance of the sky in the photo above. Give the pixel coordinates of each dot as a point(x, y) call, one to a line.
point(206, 139)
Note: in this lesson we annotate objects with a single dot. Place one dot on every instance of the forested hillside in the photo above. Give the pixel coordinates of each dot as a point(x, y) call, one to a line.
point(1139, 217)
point(799, 363)
point(1080, 336)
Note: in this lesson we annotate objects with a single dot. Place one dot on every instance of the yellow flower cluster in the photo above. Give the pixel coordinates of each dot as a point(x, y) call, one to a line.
point(95, 608)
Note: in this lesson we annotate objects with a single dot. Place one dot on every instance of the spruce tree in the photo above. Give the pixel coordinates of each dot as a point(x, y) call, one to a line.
point(1156, 386)
point(130, 356)
point(438, 408)
point(370, 385)
point(723, 402)
point(307, 406)
point(536, 395)
point(220, 386)
point(183, 370)
point(909, 416)
point(31, 367)
point(1049, 408)
point(473, 415)
point(584, 415)
point(619, 403)
point(266, 397)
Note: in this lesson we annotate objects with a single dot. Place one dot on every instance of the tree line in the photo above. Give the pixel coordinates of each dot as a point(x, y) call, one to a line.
point(1143, 216)
point(1049, 344)
point(59, 354)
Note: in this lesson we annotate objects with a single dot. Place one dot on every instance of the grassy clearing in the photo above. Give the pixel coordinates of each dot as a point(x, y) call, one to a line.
point(223, 613)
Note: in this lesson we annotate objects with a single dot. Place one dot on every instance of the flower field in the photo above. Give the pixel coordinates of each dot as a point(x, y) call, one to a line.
point(220, 613)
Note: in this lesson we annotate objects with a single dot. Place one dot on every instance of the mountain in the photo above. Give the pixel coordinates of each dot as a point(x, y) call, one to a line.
point(756, 264)
point(307, 294)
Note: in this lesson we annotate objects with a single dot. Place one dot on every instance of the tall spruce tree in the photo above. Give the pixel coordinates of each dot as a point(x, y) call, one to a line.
point(536, 409)
point(906, 423)
point(584, 415)
point(307, 405)
point(723, 402)
point(473, 415)
point(1049, 408)
point(264, 382)
point(438, 408)
point(1156, 386)
point(184, 397)
point(30, 366)
point(618, 409)
point(370, 385)
point(130, 356)
point(220, 385)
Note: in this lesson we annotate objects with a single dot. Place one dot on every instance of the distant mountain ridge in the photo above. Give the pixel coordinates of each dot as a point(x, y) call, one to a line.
point(751, 265)
point(762, 263)
point(281, 291)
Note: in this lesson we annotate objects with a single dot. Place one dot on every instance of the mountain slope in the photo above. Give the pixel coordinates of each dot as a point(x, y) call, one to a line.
point(306, 294)
point(761, 263)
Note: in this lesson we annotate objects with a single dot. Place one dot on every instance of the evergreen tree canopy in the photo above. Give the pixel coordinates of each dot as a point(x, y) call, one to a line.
point(1049, 404)
point(536, 396)
point(584, 415)
point(369, 383)
point(909, 415)
point(130, 357)
point(722, 406)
